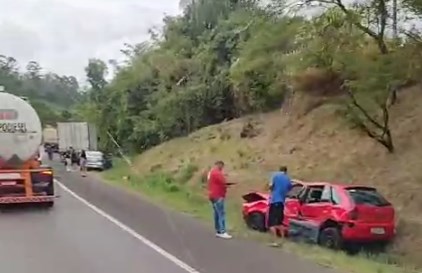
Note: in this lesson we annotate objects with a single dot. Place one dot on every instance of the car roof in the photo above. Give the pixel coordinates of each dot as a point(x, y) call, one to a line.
point(336, 184)
point(308, 183)
point(94, 152)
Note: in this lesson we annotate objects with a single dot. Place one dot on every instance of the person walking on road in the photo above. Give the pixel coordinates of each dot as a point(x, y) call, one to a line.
point(280, 184)
point(217, 188)
point(49, 152)
point(74, 159)
point(83, 163)
point(68, 159)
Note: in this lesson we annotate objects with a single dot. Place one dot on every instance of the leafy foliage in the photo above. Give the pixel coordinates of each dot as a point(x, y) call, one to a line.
point(223, 59)
point(50, 94)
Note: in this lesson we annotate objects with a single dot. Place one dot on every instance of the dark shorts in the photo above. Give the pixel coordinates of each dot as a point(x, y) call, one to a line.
point(276, 214)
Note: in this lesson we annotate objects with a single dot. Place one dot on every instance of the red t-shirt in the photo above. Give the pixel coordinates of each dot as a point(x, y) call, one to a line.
point(217, 187)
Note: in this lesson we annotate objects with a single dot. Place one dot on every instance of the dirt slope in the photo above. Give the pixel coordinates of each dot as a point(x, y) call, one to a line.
point(318, 145)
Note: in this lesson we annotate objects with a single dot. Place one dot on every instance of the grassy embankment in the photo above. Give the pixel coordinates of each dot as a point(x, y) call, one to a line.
point(316, 146)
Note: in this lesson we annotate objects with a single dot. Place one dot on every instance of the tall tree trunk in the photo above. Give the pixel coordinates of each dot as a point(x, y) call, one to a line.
point(394, 15)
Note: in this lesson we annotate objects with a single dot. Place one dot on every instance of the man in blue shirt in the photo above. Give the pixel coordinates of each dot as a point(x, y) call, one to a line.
point(280, 185)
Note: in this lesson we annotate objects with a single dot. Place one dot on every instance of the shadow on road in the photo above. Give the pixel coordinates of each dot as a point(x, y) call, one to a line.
point(25, 208)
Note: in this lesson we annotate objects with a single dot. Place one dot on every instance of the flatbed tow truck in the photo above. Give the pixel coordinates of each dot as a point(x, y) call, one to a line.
point(23, 179)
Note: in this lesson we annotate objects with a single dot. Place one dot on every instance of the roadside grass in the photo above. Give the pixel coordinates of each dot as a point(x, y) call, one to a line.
point(171, 190)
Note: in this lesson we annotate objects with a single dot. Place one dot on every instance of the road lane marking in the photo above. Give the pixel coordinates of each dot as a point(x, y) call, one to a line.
point(136, 235)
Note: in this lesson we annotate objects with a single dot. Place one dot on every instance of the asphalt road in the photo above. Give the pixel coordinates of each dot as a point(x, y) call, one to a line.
point(72, 238)
point(97, 228)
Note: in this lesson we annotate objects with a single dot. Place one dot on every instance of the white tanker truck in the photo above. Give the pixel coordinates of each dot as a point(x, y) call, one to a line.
point(22, 178)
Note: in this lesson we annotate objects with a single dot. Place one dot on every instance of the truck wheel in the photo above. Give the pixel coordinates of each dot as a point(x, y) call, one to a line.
point(256, 221)
point(330, 237)
point(48, 205)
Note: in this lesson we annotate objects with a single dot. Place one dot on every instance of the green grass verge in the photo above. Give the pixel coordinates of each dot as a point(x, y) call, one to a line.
point(170, 190)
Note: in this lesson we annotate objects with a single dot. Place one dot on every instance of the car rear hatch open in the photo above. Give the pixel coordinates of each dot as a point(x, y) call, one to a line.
point(254, 197)
point(371, 206)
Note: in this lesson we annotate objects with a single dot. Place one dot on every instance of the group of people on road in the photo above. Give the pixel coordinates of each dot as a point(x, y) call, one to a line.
point(74, 160)
point(279, 186)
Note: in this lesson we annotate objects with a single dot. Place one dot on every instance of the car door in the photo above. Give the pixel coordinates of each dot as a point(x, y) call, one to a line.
point(316, 205)
point(292, 204)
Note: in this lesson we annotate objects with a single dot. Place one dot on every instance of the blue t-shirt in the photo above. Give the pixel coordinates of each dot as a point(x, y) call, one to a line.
point(281, 185)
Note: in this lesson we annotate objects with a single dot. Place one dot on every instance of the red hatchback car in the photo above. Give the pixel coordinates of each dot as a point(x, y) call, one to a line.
point(341, 213)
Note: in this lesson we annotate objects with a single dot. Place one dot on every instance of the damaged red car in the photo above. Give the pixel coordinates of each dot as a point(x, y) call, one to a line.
point(340, 214)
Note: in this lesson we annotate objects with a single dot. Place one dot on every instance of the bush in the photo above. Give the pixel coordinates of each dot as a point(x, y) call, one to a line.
point(186, 173)
point(318, 82)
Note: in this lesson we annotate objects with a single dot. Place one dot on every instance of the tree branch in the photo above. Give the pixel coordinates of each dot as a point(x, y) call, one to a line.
point(362, 110)
point(384, 137)
point(378, 37)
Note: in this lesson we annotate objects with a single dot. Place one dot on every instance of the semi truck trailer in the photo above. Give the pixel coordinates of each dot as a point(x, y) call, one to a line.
point(50, 138)
point(78, 135)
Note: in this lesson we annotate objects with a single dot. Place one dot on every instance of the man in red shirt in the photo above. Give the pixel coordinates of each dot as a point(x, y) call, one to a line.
point(217, 188)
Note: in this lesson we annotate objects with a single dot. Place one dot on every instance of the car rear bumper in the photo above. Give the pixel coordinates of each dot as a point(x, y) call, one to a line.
point(364, 232)
point(94, 165)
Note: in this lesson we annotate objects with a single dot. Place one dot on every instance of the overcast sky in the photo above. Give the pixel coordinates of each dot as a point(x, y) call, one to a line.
point(63, 34)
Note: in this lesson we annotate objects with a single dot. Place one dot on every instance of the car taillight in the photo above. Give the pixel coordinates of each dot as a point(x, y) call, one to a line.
point(354, 215)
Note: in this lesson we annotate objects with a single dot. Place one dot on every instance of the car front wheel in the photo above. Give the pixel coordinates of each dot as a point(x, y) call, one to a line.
point(330, 237)
point(256, 221)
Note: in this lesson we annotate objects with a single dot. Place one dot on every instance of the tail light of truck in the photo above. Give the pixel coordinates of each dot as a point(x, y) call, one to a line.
point(47, 173)
point(42, 176)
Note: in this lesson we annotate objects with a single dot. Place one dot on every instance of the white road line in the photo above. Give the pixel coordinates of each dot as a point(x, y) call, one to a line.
point(136, 235)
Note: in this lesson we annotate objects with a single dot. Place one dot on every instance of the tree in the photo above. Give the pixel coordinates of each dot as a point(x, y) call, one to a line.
point(224, 59)
point(49, 93)
point(414, 6)
point(340, 61)
point(33, 70)
point(96, 72)
point(8, 64)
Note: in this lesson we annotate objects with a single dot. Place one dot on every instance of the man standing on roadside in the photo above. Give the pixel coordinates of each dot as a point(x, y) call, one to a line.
point(279, 185)
point(217, 188)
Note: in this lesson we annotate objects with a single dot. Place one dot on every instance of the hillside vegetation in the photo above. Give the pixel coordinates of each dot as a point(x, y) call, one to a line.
point(227, 58)
point(334, 96)
point(317, 146)
point(51, 95)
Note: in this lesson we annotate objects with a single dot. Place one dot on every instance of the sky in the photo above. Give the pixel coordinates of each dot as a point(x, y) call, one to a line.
point(63, 34)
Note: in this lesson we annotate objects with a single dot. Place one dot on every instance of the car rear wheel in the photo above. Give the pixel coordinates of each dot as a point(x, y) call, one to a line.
point(330, 237)
point(256, 221)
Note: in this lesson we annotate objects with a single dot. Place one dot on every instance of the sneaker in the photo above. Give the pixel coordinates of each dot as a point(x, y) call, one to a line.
point(274, 244)
point(224, 235)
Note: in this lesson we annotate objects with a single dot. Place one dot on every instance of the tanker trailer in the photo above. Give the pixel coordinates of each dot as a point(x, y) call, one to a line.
point(22, 178)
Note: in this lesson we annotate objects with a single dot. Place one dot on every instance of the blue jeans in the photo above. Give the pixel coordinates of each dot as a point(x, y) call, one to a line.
point(219, 215)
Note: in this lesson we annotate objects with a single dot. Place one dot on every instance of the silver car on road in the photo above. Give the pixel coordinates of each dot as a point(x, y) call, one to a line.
point(96, 160)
